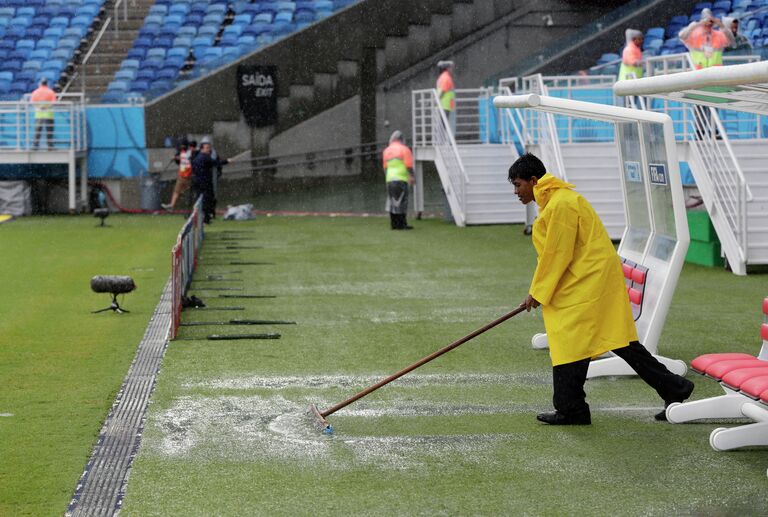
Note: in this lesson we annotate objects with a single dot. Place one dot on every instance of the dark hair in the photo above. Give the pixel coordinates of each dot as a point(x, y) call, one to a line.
point(193, 143)
point(526, 167)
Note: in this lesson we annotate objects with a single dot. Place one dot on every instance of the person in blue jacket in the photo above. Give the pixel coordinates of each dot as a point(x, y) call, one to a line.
point(204, 166)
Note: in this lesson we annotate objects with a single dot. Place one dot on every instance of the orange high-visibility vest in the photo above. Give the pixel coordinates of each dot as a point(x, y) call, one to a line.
point(706, 47)
point(445, 90)
point(397, 160)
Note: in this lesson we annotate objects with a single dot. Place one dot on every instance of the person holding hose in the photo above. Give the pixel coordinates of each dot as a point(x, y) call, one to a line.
point(579, 284)
point(398, 165)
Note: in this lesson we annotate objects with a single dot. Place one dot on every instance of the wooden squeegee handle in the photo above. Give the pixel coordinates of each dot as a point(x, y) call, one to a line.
point(427, 359)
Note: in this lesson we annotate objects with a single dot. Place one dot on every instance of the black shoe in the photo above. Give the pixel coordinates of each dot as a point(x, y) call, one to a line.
point(406, 227)
point(661, 416)
point(556, 418)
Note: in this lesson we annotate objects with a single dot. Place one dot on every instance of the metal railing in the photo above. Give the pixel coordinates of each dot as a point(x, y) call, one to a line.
point(184, 262)
point(23, 129)
point(116, 13)
point(433, 128)
point(723, 176)
point(541, 128)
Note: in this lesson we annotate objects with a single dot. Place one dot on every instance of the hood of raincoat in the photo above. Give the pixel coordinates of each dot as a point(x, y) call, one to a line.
point(546, 186)
point(631, 34)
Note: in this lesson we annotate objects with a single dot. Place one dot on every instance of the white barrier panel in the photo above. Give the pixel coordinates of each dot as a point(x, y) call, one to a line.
point(656, 237)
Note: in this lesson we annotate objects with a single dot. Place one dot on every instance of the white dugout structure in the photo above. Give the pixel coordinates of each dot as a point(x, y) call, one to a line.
point(656, 238)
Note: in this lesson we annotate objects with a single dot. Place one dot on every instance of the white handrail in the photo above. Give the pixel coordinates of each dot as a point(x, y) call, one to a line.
point(116, 14)
point(454, 149)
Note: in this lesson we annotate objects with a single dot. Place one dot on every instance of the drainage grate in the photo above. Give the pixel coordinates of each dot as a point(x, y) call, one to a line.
point(101, 488)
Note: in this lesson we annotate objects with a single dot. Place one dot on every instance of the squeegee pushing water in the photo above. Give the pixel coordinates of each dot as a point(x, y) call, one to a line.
point(319, 417)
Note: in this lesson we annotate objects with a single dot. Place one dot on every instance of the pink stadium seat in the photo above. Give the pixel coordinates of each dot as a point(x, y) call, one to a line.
point(638, 276)
point(764, 331)
point(701, 363)
point(756, 387)
point(719, 369)
point(765, 306)
point(736, 378)
point(635, 296)
point(627, 270)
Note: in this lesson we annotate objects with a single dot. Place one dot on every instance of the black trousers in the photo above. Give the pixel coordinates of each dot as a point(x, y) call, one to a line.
point(209, 200)
point(568, 379)
point(41, 123)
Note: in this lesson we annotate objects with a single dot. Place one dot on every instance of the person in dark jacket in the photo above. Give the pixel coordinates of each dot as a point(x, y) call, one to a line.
point(203, 167)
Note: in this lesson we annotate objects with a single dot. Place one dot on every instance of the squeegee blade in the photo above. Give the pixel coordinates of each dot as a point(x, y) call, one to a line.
point(318, 420)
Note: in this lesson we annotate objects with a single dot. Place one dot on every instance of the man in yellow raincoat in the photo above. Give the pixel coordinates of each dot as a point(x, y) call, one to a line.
point(580, 286)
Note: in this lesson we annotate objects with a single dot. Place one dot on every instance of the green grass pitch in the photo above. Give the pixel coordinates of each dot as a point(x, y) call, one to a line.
point(226, 434)
point(60, 365)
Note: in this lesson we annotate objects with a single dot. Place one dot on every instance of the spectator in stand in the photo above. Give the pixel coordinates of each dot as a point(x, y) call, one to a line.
point(229, 16)
point(706, 44)
point(189, 63)
point(184, 178)
point(202, 178)
point(42, 98)
point(632, 55)
point(741, 42)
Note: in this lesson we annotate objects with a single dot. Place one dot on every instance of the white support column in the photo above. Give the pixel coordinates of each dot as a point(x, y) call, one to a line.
point(418, 187)
point(84, 182)
point(72, 190)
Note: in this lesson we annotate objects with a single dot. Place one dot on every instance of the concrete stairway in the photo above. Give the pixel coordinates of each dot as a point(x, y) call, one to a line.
point(490, 198)
point(594, 169)
point(113, 47)
point(752, 155)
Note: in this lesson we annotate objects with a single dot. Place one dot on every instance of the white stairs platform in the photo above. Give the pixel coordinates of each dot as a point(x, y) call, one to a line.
point(594, 169)
point(490, 198)
point(752, 156)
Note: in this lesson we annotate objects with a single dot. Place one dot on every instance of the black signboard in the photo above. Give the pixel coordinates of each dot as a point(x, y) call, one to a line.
point(257, 93)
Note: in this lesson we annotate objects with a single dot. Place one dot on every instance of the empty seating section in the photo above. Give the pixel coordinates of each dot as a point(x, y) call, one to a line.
point(660, 41)
point(183, 39)
point(42, 38)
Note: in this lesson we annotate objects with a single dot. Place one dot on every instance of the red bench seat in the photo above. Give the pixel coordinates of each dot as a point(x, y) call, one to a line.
point(701, 363)
point(756, 388)
point(719, 369)
point(735, 378)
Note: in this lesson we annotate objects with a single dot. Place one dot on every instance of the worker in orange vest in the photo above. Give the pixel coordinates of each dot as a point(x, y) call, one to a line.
point(398, 165)
point(446, 92)
point(43, 97)
point(632, 56)
point(704, 43)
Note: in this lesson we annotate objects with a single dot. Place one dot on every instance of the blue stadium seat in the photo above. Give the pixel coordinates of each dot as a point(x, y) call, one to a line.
point(113, 96)
point(7, 12)
point(167, 74)
point(156, 52)
point(174, 62)
point(46, 44)
point(283, 17)
point(162, 41)
point(243, 19)
point(207, 31)
point(74, 32)
point(228, 40)
point(81, 21)
point(655, 32)
point(145, 74)
point(256, 29)
point(6, 76)
point(213, 19)
point(187, 31)
point(178, 51)
point(158, 10)
point(53, 32)
point(40, 54)
point(126, 75)
point(153, 64)
point(27, 12)
point(142, 42)
point(263, 18)
point(724, 5)
point(137, 53)
point(182, 41)
point(234, 30)
point(139, 86)
point(285, 6)
point(304, 15)
point(179, 9)
point(194, 19)
point(174, 19)
point(61, 53)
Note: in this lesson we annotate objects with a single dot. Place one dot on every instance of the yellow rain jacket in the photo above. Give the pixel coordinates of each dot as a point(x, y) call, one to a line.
point(578, 278)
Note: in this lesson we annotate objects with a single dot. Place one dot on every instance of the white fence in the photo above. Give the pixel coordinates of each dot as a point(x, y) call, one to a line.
point(184, 261)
